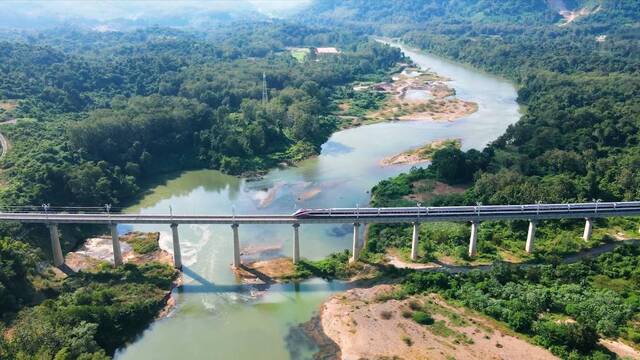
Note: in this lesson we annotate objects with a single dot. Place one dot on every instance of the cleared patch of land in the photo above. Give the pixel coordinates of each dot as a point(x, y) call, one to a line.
point(8, 105)
point(421, 154)
point(370, 324)
point(427, 189)
point(300, 54)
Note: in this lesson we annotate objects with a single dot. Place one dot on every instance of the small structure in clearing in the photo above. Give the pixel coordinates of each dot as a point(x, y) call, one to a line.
point(327, 51)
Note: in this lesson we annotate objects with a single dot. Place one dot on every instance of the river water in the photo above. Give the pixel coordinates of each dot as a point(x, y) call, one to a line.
point(215, 316)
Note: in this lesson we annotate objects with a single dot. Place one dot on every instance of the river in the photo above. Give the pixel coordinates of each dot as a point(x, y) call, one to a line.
point(215, 317)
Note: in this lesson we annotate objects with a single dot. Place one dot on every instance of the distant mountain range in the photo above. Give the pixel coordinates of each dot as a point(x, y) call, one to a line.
point(388, 15)
point(117, 16)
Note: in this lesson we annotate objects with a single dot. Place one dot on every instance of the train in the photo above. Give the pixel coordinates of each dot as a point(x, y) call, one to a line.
point(528, 209)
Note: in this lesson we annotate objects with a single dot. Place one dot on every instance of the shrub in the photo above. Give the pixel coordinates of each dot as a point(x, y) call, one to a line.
point(143, 243)
point(390, 295)
point(565, 335)
point(407, 340)
point(334, 266)
point(415, 305)
point(422, 318)
point(386, 315)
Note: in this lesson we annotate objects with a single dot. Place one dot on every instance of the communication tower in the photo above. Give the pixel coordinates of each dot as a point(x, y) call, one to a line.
point(265, 97)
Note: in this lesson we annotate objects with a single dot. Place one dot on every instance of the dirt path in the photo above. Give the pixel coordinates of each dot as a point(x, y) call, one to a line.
point(621, 349)
point(6, 145)
point(457, 269)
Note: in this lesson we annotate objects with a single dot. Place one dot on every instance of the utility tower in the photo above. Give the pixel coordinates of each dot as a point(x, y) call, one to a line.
point(265, 97)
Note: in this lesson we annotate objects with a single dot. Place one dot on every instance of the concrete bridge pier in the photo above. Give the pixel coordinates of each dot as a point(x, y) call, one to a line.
point(296, 243)
point(56, 249)
point(414, 241)
point(236, 246)
point(588, 229)
point(473, 239)
point(355, 247)
point(115, 240)
point(531, 234)
point(177, 254)
point(364, 235)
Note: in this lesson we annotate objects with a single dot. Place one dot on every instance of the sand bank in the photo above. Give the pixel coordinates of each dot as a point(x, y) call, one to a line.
point(365, 325)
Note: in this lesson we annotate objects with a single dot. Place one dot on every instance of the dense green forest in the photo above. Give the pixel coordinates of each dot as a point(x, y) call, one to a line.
point(108, 111)
point(99, 114)
point(578, 84)
point(160, 100)
point(576, 141)
point(579, 134)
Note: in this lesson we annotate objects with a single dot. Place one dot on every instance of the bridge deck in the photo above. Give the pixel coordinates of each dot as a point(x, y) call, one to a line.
point(349, 215)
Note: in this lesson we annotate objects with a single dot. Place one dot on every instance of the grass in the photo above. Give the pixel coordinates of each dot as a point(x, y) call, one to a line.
point(454, 318)
point(336, 265)
point(440, 328)
point(604, 282)
point(426, 151)
point(391, 295)
point(143, 243)
point(422, 318)
point(300, 54)
point(407, 340)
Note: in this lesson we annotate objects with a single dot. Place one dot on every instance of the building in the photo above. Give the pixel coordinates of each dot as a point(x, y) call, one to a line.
point(326, 51)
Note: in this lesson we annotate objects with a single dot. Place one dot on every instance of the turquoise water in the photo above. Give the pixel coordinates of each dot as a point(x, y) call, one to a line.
point(215, 316)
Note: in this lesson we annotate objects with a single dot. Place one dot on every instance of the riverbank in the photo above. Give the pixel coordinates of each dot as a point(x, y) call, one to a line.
point(421, 154)
point(266, 272)
point(367, 323)
point(138, 248)
point(413, 321)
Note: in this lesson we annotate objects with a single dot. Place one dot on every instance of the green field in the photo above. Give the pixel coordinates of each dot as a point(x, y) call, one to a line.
point(300, 54)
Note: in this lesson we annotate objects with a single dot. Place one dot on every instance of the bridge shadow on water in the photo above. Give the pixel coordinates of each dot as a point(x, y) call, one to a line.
point(203, 285)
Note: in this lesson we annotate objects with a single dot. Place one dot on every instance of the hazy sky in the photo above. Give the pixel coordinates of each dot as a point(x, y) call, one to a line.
point(111, 9)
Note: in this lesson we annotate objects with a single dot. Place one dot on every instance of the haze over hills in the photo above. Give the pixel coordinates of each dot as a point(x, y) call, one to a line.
point(396, 16)
point(127, 15)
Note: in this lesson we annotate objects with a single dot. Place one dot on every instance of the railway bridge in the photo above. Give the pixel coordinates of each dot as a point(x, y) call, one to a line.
point(356, 216)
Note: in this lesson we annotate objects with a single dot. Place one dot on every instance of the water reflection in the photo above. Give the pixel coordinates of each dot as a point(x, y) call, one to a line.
point(215, 314)
point(335, 148)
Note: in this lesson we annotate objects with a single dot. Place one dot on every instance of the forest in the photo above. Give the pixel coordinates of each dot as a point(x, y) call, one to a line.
point(563, 307)
point(101, 113)
point(577, 140)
